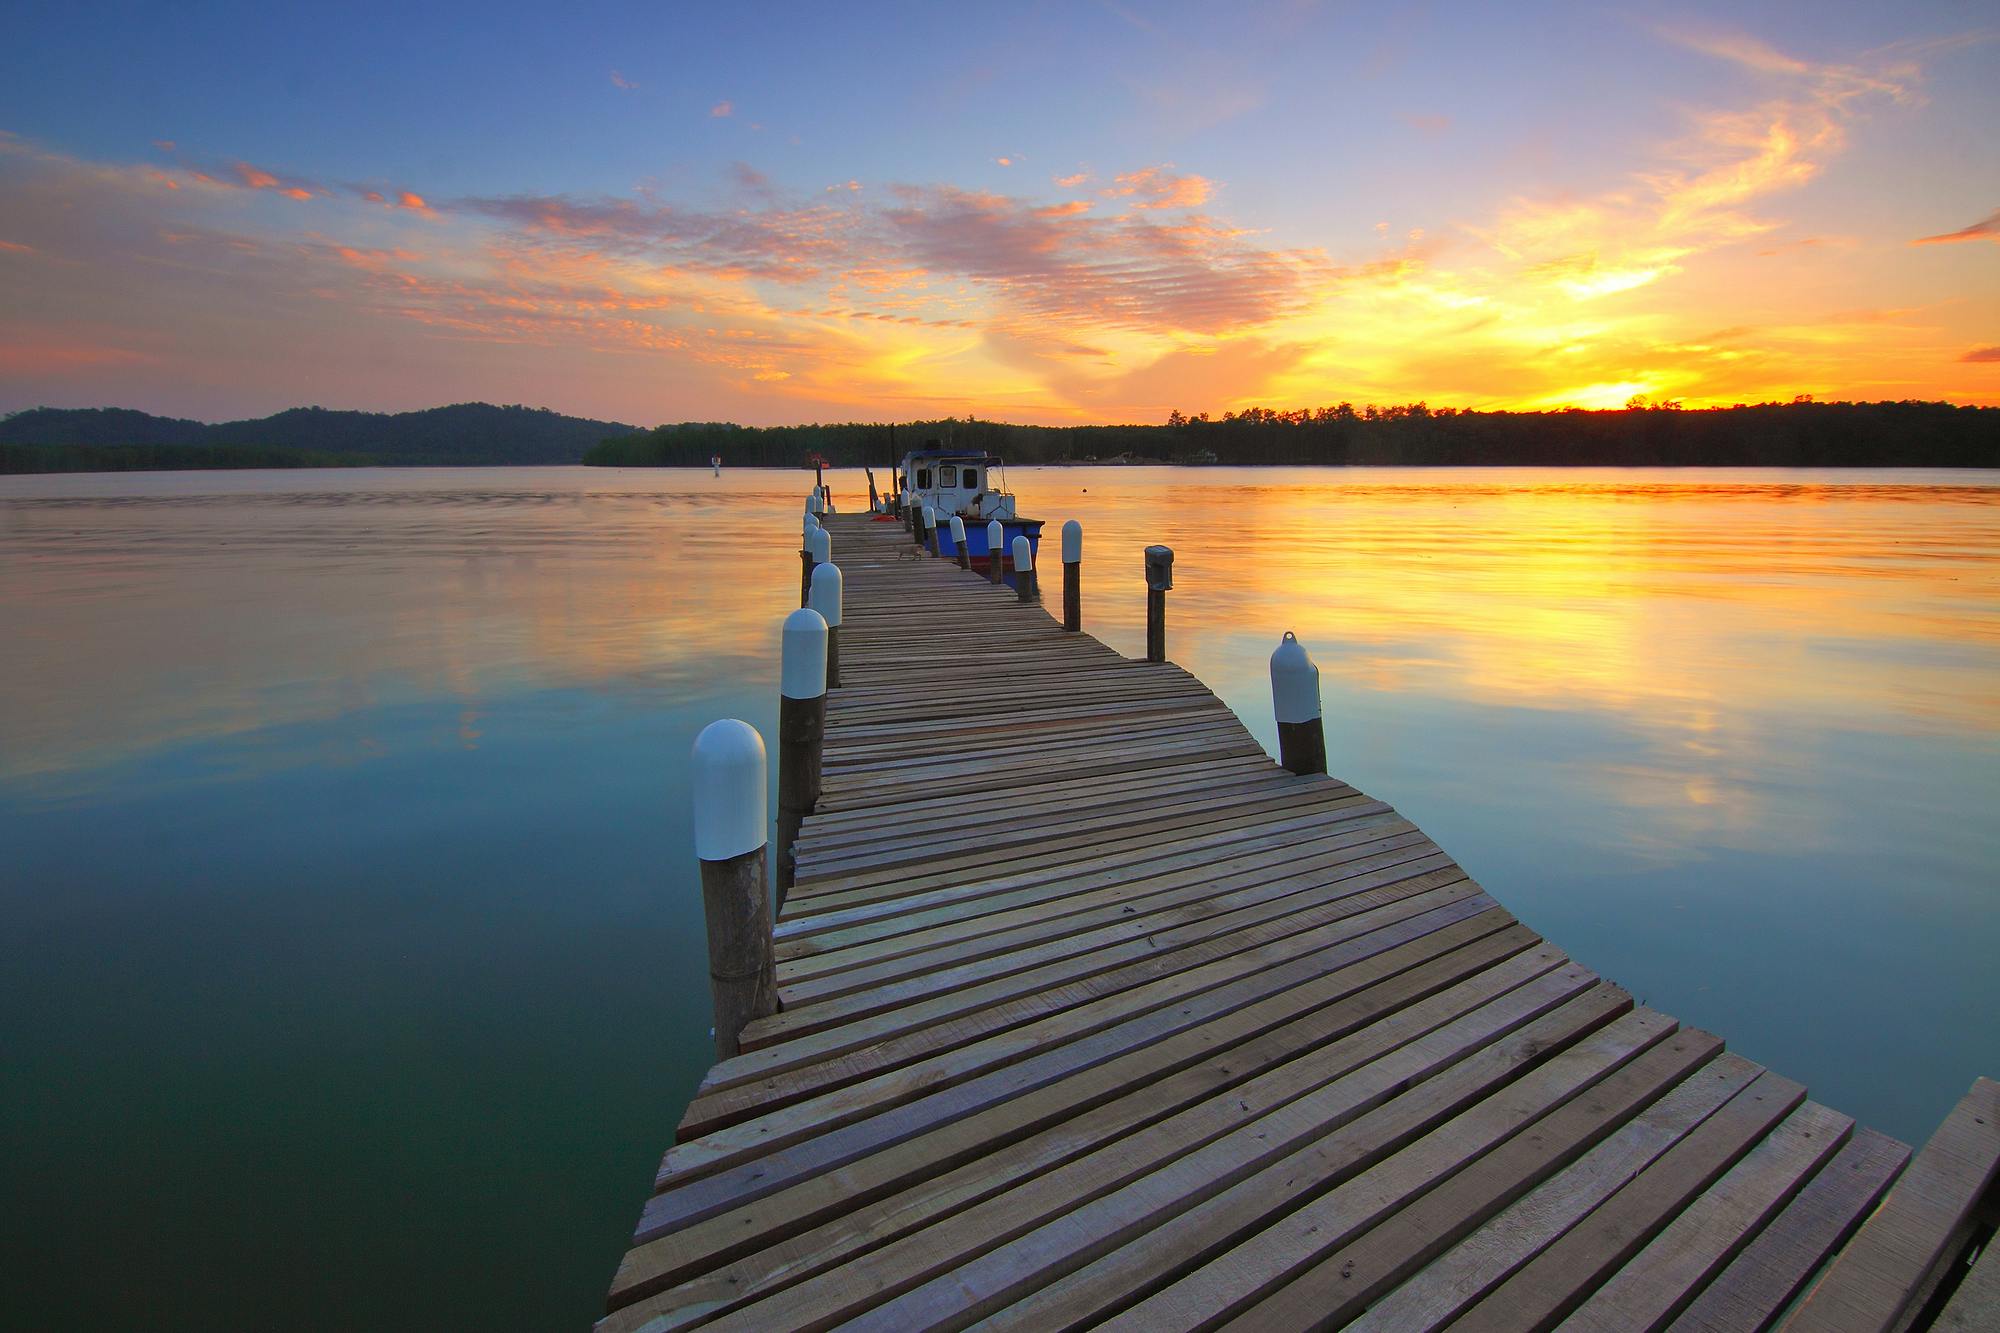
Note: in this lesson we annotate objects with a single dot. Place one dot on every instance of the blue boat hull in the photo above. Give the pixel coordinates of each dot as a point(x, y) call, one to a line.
point(975, 543)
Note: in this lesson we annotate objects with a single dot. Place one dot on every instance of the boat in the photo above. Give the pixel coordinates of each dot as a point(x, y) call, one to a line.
point(969, 485)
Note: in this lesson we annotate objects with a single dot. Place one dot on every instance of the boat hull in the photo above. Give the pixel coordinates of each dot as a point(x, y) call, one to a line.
point(975, 543)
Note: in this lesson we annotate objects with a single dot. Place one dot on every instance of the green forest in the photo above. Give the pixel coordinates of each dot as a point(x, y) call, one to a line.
point(1796, 434)
point(101, 439)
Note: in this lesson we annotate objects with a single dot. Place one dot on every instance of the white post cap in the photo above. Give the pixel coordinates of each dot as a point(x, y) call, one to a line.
point(820, 542)
point(802, 658)
point(815, 503)
point(1294, 681)
point(996, 539)
point(812, 525)
point(1024, 556)
point(1072, 543)
point(930, 516)
point(958, 530)
point(826, 590)
point(729, 790)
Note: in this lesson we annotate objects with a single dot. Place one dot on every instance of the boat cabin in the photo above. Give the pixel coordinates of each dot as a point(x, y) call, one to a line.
point(957, 483)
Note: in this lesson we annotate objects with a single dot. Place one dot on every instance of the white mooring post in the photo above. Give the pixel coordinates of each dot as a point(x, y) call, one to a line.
point(1072, 563)
point(806, 555)
point(1024, 569)
point(958, 542)
point(996, 549)
point(801, 732)
point(826, 596)
point(1295, 699)
point(818, 551)
point(730, 800)
point(930, 529)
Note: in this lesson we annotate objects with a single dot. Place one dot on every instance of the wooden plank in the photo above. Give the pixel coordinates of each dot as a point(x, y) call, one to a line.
point(1884, 1275)
point(1975, 1306)
point(1662, 1279)
point(1340, 1022)
point(883, 955)
point(998, 1064)
point(1764, 1280)
point(1441, 1291)
point(937, 1142)
point(1099, 1257)
point(1564, 1274)
point(1341, 1285)
point(1298, 1101)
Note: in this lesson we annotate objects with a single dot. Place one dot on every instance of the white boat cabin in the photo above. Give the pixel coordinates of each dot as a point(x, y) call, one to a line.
point(957, 483)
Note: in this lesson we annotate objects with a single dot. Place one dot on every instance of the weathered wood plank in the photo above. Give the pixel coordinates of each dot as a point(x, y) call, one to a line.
point(1884, 1275)
point(1763, 1280)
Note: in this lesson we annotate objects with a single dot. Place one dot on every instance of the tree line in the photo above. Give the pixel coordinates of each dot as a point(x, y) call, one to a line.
point(1801, 433)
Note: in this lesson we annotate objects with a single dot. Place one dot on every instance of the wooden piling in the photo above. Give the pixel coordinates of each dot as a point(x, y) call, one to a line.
point(1072, 567)
point(1159, 578)
point(958, 540)
point(996, 550)
point(729, 804)
point(801, 734)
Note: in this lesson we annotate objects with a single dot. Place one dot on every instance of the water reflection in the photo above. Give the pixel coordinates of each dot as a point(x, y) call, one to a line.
point(391, 760)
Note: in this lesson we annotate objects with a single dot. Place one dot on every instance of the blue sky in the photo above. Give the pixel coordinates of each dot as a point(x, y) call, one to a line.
point(1357, 135)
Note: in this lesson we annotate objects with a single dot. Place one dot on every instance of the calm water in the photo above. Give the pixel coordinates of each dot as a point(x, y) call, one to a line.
point(354, 969)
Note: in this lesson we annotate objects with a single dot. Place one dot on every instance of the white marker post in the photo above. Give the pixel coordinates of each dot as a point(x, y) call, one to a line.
point(730, 840)
point(996, 549)
point(958, 540)
point(1024, 569)
point(916, 517)
point(1295, 699)
point(806, 554)
point(801, 733)
point(819, 551)
point(930, 529)
point(826, 597)
point(1072, 563)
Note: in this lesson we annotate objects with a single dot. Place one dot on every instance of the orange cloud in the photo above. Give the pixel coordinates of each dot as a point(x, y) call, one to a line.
point(1986, 229)
point(721, 109)
point(1071, 182)
point(1158, 187)
point(1004, 161)
point(16, 248)
point(619, 80)
point(412, 201)
point(1982, 354)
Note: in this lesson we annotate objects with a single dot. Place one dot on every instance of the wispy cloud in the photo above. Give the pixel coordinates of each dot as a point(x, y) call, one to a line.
point(620, 81)
point(722, 109)
point(1982, 354)
point(1160, 187)
point(1986, 229)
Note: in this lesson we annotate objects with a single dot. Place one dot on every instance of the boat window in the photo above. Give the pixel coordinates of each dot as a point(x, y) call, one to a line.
point(947, 476)
point(923, 478)
point(971, 479)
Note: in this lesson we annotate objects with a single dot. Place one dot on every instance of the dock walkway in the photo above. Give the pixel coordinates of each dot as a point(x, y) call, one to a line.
point(1094, 1015)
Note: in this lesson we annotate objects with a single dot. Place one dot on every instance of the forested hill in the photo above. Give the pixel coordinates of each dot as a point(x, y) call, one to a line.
point(1799, 434)
point(49, 439)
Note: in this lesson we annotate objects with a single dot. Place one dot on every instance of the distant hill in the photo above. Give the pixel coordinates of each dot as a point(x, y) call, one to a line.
point(49, 439)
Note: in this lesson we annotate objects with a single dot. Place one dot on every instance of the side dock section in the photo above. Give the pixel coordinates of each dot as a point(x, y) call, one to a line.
point(1095, 1016)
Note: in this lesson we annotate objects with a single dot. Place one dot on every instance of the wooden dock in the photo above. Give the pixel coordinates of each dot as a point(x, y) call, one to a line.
point(1093, 1015)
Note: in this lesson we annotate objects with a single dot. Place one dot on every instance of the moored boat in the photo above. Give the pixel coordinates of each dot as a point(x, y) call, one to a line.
point(967, 485)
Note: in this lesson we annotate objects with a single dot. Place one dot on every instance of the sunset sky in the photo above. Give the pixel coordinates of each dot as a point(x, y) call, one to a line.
point(1034, 212)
